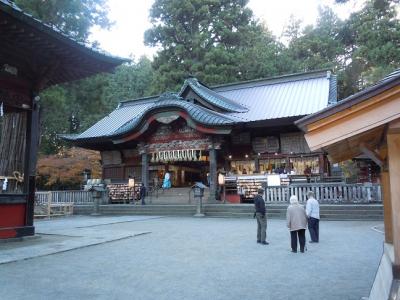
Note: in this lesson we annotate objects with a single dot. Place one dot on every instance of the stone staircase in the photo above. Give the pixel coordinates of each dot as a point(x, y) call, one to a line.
point(278, 211)
point(275, 211)
point(180, 196)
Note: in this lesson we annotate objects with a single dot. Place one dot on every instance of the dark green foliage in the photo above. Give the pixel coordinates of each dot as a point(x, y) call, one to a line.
point(316, 47)
point(73, 17)
point(216, 41)
point(74, 107)
point(361, 49)
point(371, 38)
point(129, 82)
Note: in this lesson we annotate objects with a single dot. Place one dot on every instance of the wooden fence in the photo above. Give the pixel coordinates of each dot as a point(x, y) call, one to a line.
point(76, 197)
point(326, 193)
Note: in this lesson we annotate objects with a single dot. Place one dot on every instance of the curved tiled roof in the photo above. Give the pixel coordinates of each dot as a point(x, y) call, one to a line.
point(172, 102)
point(212, 97)
point(128, 116)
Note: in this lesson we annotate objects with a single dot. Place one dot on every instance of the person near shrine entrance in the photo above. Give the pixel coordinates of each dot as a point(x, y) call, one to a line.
point(167, 181)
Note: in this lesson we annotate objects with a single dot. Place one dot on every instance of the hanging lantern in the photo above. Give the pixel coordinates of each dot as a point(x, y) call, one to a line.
point(167, 156)
point(195, 155)
point(161, 155)
point(184, 157)
point(179, 157)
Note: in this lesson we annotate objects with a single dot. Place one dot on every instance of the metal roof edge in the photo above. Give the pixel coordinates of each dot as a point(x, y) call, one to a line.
point(381, 86)
point(66, 136)
point(16, 12)
point(180, 105)
point(273, 80)
point(138, 100)
point(236, 107)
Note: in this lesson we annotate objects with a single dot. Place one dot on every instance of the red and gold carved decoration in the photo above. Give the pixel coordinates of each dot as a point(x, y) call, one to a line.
point(168, 138)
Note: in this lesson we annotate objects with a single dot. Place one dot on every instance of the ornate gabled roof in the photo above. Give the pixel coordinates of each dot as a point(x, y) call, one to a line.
point(27, 40)
point(170, 101)
point(212, 97)
point(130, 116)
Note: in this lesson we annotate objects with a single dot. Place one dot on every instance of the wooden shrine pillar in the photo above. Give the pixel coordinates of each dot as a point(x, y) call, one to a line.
point(393, 141)
point(213, 173)
point(145, 169)
point(257, 165)
point(321, 163)
point(32, 145)
point(387, 205)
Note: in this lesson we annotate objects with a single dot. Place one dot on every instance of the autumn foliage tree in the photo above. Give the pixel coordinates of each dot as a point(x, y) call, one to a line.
point(64, 170)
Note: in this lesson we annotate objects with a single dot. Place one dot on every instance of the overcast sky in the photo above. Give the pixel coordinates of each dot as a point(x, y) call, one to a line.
point(131, 19)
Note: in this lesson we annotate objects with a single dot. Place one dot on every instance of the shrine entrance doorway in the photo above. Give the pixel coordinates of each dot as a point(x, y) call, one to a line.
point(183, 174)
point(181, 151)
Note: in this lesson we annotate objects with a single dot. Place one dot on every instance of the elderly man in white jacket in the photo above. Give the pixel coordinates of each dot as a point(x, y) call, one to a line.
point(312, 210)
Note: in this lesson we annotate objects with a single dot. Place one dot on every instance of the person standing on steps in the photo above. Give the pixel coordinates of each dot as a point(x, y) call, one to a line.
point(260, 214)
point(296, 220)
point(167, 181)
point(312, 210)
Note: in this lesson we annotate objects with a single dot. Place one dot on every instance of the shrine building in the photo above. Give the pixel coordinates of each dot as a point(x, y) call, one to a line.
point(243, 129)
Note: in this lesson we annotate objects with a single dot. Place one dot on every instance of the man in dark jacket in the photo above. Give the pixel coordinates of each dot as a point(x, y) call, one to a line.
point(142, 193)
point(259, 205)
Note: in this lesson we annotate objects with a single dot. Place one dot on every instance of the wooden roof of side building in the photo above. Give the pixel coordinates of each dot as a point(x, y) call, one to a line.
point(358, 124)
point(34, 47)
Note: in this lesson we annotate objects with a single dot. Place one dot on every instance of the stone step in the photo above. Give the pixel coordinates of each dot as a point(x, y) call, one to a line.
point(328, 212)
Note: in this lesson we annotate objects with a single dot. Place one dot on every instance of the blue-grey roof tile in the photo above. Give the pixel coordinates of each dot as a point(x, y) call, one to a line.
point(212, 97)
point(285, 96)
point(297, 96)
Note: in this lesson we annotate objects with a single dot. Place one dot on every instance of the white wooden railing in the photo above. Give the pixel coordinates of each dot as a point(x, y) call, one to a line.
point(76, 197)
point(327, 193)
point(324, 192)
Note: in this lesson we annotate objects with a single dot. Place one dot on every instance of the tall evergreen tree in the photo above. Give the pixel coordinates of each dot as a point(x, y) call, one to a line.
point(372, 41)
point(205, 38)
point(316, 47)
point(73, 17)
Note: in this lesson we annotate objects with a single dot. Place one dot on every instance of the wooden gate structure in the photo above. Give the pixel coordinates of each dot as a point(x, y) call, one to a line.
point(33, 56)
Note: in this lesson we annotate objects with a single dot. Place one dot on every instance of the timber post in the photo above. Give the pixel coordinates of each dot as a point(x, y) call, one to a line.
point(387, 205)
point(145, 169)
point(32, 144)
point(393, 141)
point(213, 173)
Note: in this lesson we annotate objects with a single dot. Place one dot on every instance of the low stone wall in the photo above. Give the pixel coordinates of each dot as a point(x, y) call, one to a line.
point(384, 276)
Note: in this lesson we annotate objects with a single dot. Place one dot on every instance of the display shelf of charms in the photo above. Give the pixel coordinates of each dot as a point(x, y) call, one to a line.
point(122, 193)
point(246, 186)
